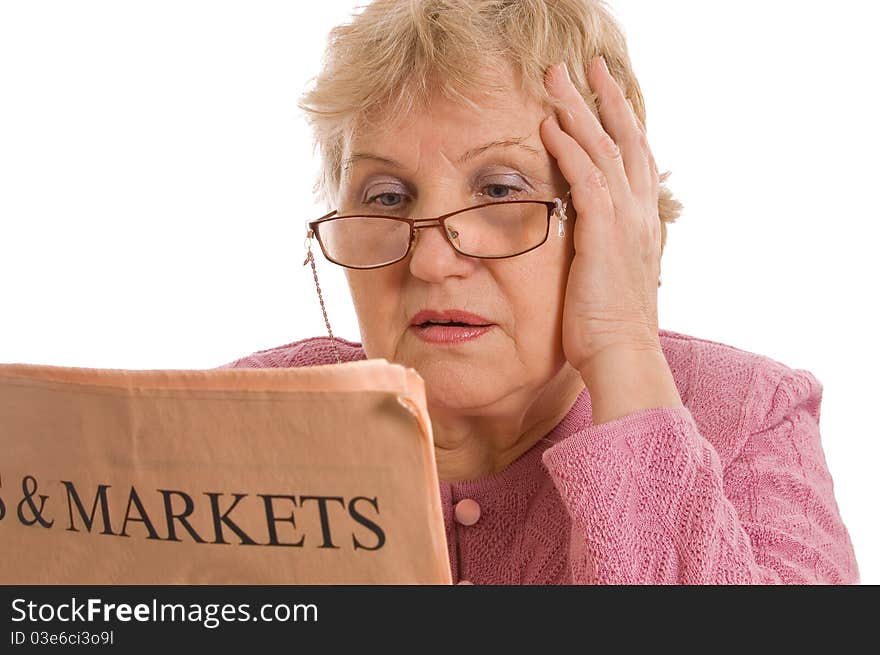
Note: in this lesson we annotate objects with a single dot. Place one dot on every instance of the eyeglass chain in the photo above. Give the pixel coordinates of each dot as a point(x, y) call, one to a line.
point(310, 258)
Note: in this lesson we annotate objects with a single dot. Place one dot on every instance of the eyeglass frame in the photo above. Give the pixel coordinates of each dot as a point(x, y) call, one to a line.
point(560, 205)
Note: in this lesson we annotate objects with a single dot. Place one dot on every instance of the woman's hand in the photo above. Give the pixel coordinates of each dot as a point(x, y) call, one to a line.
point(609, 324)
point(611, 295)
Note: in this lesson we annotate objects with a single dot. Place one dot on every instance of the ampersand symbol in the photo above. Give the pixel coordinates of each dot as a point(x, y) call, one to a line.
point(37, 513)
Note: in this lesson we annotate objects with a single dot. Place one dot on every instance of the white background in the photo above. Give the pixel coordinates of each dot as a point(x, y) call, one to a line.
point(155, 177)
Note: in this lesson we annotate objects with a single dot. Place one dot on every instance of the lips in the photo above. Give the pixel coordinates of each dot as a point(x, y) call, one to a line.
point(449, 316)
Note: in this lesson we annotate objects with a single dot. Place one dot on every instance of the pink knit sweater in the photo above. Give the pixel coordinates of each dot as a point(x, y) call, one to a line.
point(732, 488)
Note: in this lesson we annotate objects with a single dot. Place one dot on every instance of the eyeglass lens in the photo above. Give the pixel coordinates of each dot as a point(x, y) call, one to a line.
point(496, 230)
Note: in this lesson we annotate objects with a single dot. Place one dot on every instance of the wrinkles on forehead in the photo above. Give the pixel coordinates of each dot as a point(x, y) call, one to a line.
point(499, 89)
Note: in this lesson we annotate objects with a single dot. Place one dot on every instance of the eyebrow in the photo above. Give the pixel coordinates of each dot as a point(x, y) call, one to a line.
point(511, 142)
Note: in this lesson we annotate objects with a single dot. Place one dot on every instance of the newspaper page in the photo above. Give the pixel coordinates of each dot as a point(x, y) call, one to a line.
point(310, 475)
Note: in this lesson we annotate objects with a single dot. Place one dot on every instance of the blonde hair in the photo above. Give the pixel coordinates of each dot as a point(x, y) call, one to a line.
point(395, 54)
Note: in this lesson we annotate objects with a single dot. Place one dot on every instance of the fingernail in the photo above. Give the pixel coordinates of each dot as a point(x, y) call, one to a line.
point(603, 65)
point(565, 72)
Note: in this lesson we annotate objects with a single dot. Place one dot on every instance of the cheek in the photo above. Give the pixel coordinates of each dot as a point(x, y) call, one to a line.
point(374, 295)
point(539, 302)
point(537, 297)
point(367, 291)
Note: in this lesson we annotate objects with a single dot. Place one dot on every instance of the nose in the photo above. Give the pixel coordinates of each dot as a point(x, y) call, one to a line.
point(433, 258)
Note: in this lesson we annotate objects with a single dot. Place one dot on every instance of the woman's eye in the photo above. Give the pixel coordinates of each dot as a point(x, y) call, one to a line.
point(372, 199)
point(501, 187)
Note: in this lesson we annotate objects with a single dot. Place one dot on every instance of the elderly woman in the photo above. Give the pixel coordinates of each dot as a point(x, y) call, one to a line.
point(576, 442)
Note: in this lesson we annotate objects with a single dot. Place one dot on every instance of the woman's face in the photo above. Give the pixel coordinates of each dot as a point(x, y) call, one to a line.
point(523, 295)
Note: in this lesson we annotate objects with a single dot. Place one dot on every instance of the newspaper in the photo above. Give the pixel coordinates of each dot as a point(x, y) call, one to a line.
point(309, 475)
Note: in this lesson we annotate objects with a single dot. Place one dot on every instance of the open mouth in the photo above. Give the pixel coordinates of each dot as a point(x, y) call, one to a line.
point(450, 324)
point(450, 332)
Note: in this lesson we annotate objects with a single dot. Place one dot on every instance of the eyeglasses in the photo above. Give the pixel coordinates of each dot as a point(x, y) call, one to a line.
point(494, 230)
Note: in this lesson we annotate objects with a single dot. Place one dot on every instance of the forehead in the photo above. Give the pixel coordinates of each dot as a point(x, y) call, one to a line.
point(450, 125)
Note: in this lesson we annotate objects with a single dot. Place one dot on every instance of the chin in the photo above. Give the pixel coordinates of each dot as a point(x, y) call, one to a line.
point(458, 400)
point(451, 383)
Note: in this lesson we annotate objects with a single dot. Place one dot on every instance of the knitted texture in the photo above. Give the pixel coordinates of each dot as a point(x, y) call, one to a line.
point(732, 488)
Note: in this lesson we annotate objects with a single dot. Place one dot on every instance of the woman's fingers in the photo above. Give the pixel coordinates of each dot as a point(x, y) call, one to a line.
point(623, 126)
point(655, 172)
point(579, 122)
point(633, 109)
point(621, 152)
point(589, 185)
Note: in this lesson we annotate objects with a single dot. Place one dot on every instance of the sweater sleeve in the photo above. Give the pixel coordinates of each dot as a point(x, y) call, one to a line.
point(311, 351)
point(650, 503)
point(260, 359)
